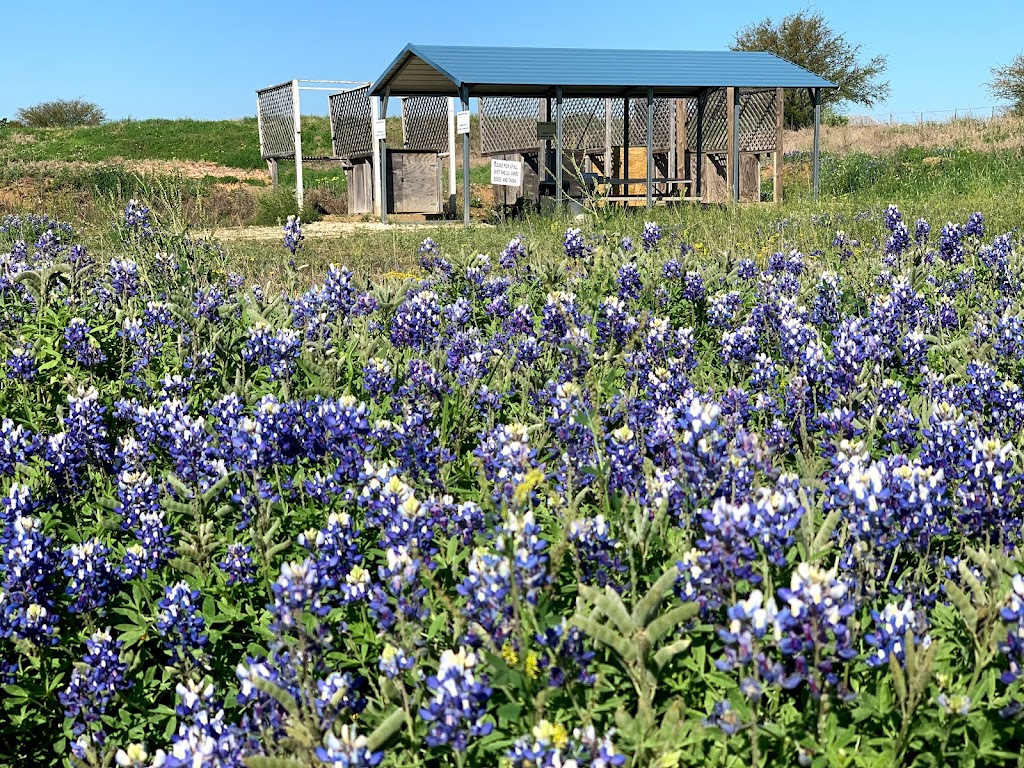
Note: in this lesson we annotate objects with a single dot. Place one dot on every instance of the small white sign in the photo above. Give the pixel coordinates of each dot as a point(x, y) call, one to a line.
point(380, 129)
point(462, 122)
point(508, 173)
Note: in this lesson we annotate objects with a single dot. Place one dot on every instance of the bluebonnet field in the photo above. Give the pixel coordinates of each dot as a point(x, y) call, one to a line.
point(637, 504)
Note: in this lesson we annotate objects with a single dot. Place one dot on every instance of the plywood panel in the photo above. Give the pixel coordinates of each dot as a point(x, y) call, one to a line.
point(414, 182)
point(360, 188)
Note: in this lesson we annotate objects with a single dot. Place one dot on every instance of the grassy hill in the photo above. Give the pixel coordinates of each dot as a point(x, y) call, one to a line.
point(214, 166)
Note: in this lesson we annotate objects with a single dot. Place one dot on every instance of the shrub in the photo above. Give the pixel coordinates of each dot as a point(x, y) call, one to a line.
point(61, 113)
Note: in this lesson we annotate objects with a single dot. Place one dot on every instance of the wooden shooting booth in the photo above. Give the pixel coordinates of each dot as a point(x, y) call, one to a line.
point(624, 126)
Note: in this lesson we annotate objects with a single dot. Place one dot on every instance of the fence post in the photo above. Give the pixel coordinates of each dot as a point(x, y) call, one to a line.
point(452, 182)
point(377, 174)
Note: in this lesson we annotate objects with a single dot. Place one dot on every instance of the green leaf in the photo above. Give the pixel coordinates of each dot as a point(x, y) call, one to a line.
point(273, 762)
point(383, 732)
point(277, 693)
point(648, 605)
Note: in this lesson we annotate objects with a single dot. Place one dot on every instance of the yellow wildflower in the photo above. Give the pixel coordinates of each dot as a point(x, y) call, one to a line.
point(532, 667)
point(508, 653)
point(522, 492)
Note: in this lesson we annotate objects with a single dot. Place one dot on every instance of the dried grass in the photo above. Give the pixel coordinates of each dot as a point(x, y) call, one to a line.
point(981, 135)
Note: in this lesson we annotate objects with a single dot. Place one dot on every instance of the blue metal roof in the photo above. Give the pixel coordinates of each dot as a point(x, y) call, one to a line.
point(489, 71)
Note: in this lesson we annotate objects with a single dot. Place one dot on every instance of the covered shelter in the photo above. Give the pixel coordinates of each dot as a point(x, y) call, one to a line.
point(566, 73)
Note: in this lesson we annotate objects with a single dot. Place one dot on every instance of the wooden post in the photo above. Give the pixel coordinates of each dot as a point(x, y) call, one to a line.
point(780, 109)
point(272, 164)
point(297, 123)
point(702, 101)
point(680, 168)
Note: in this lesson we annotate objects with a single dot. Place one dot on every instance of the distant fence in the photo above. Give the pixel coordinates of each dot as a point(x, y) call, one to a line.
point(929, 116)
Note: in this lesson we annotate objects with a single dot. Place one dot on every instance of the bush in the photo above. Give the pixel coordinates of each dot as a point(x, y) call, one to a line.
point(61, 113)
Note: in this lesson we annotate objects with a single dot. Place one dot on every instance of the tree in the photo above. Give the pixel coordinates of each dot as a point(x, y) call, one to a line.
point(1007, 84)
point(805, 39)
point(61, 113)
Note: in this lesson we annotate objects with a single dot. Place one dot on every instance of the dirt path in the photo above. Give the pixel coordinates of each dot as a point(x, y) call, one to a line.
point(327, 229)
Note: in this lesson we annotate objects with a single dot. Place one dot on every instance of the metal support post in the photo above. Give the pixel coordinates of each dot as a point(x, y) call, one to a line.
point(383, 170)
point(558, 145)
point(650, 148)
point(452, 162)
point(625, 147)
point(608, 172)
point(378, 175)
point(816, 97)
point(734, 160)
point(464, 95)
point(297, 123)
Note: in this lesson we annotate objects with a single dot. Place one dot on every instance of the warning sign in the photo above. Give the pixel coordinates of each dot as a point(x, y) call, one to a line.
point(508, 173)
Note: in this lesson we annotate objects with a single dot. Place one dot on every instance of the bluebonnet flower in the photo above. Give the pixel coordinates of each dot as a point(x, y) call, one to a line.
point(180, 622)
point(21, 365)
point(815, 638)
point(921, 231)
point(378, 380)
point(513, 253)
point(951, 248)
point(347, 750)
point(746, 269)
point(28, 564)
point(136, 219)
point(124, 277)
point(575, 245)
point(203, 737)
point(416, 321)
point(630, 283)
point(891, 628)
point(651, 235)
point(457, 703)
point(293, 236)
point(79, 343)
point(91, 579)
point(626, 244)
point(279, 350)
point(17, 446)
point(394, 661)
point(237, 564)
point(507, 458)
point(551, 747)
point(93, 685)
point(597, 552)
point(1012, 647)
point(975, 226)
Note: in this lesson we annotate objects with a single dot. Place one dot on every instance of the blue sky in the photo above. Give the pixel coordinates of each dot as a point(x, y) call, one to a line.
point(205, 59)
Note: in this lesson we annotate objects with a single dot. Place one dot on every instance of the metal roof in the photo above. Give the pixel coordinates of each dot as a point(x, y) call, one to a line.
point(487, 71)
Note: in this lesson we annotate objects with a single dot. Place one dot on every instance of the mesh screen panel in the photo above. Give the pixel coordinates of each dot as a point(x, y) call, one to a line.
point(757, 122)
point(351, 123)
point(277, 123)
point(425, 122)
point(508, 125)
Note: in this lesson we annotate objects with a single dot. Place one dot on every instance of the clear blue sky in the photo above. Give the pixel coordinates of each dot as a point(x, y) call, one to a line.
point(205, 59)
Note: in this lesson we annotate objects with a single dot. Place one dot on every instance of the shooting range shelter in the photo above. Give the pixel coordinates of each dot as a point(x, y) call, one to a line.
point(412, 175)
point(706, 117)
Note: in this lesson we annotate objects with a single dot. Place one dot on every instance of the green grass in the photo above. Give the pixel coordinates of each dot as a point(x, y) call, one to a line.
point(232, 143)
